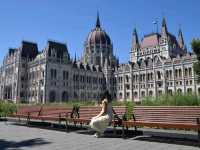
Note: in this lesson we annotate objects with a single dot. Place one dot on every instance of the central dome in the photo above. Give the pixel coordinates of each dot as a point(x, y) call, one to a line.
point(98, 36)
point(98, 48)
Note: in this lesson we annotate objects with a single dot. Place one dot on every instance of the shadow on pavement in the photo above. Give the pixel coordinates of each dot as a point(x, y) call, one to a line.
point(168, 140)
point(129, 134)
point(5, 145)
point(111, 134)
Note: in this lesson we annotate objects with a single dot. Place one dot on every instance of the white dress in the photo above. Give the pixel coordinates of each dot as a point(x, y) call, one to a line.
point(101, 123)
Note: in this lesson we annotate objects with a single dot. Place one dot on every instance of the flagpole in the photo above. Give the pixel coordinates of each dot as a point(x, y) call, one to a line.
point(156, 23)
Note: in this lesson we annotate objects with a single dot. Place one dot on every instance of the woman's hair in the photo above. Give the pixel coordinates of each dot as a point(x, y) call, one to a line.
point(106, 95)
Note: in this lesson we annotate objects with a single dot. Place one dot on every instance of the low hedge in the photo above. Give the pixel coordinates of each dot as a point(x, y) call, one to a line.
point(172, 100)
point(7, 109)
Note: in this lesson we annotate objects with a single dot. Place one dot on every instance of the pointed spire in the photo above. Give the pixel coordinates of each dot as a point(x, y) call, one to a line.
point(98, 24)
point(136, 36)
point(164, 22)
point(75, 57)
point(135, 41)
point(180, 39)
point(164, 25)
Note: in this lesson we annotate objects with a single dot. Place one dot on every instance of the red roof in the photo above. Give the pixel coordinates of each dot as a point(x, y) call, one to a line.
point(150, 40)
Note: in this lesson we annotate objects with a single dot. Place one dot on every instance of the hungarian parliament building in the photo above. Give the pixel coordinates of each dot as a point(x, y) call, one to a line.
point(159, 64)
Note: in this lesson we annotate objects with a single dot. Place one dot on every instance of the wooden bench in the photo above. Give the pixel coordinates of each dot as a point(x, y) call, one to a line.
point(24, 111)
point(87, 112)
point(52, 113)
point(43, 113)
point(167, 117)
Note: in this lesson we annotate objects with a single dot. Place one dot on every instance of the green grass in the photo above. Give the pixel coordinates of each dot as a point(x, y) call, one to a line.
point(175, 100)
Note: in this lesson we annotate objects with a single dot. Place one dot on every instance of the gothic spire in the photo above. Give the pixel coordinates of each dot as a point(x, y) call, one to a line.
point(164, 25)
point(135, 41)
point(98, 24)
point(180, 39)
point(75, 57)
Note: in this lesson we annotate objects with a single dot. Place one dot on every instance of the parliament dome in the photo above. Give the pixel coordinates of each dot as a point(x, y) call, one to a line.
point(98, 36)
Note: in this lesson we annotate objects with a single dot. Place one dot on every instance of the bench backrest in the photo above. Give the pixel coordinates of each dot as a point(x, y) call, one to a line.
point(37, 110)
point(24, 110)
point(87, 112)
point(55, 110)
point(168, 114)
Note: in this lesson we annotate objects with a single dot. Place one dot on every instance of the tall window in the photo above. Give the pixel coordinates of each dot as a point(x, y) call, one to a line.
point(190, 72)
point(65, 75)
point(53, 73)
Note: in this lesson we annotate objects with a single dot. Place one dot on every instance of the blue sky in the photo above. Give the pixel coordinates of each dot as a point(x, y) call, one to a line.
point(70, 21)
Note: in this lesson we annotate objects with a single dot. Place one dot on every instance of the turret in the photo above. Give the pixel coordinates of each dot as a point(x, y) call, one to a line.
point(135, 47)
point(180, 39)
point(135, 41)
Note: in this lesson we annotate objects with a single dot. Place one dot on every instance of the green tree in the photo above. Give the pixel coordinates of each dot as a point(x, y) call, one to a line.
point(196, 50)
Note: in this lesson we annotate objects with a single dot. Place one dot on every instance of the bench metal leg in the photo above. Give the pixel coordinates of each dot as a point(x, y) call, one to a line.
point(135, 128)
point(198, 123)
point(59, 121)
point(66, 124)
point(123, 132)
point(28, 119)
point(114, 130)
point(19, 120)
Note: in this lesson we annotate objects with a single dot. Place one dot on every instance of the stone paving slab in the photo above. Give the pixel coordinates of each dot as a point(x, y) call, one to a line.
point(16, 137)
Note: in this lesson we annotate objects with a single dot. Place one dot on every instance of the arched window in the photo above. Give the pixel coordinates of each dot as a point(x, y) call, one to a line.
point(143, 93)
point(52, 96)
point(198, 91)
point(170, 74)
point(176, 73)
point(159, 92)
point(150, 93)
point(170, 92)
point(189, 91)
point(180, 73)
point(135, 95)
point(186, 72)
point(179, 91)
point(151, 76)
point(120, 95)
point(190, 72)
point(64, 96)
point(76, 95)
point(158, 74)
point(167, 74)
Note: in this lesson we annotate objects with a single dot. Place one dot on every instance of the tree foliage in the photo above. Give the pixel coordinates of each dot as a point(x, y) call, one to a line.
point(196, 50)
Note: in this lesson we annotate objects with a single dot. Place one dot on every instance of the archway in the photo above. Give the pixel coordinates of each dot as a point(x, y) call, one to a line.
point(150, 93)
point(179, 91)
point(143, 93)
point(52, 96)
point(64, 96)
point(135, 95)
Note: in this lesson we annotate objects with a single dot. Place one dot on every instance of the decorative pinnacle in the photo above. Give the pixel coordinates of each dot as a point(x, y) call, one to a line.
point(98, 24)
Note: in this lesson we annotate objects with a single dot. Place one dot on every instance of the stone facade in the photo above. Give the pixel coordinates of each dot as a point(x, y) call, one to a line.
point(158, 64)
point(48, 76)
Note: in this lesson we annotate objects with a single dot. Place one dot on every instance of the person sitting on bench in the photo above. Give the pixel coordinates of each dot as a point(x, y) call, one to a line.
point(100, 122)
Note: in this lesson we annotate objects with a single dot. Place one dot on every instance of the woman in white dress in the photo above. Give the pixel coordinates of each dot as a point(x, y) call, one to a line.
point(100, 122)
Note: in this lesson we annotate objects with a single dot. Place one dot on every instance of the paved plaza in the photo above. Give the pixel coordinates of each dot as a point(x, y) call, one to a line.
point(20, 137)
